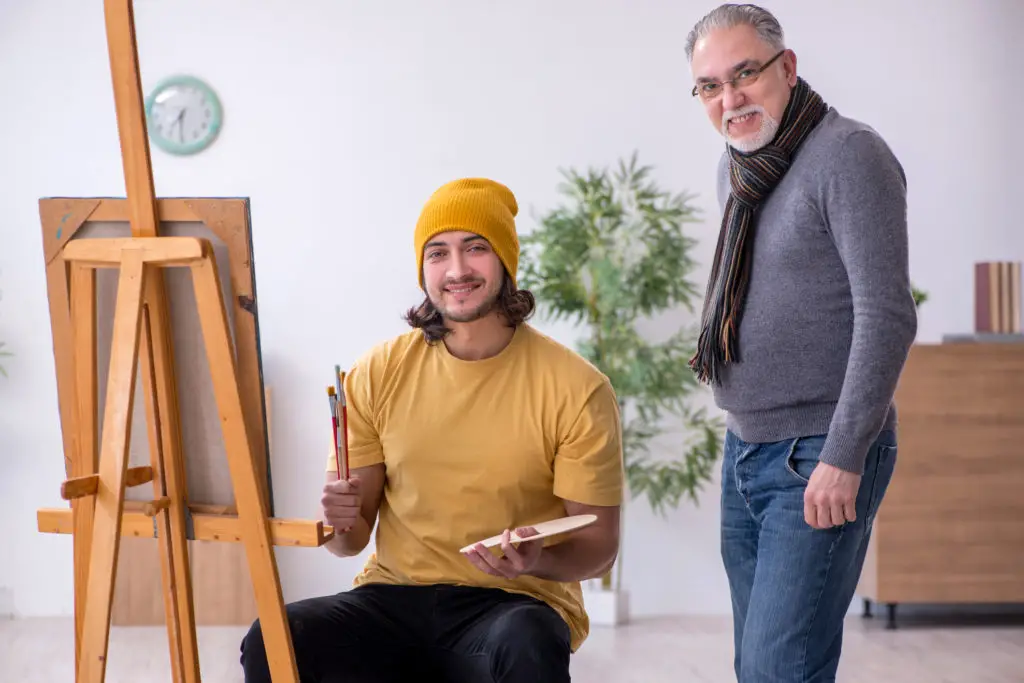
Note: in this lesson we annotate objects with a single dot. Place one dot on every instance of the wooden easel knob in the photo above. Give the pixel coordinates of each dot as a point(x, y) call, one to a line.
point(152, 507)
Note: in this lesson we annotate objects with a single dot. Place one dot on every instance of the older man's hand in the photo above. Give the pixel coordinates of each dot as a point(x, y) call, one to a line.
point(831, 497)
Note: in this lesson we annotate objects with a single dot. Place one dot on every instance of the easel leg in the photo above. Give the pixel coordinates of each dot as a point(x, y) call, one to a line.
point(174, 561)
point(128, 101)
point(251, 512)
point(85, 463)
point(169, 447)
point(106, 532)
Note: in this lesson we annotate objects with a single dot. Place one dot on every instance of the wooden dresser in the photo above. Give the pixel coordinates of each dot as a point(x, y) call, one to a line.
point(951, 527)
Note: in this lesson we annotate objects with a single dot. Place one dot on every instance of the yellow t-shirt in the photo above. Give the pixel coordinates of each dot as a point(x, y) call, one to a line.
point(474, 447)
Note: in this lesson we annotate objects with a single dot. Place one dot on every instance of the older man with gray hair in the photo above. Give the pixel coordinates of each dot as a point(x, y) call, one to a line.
point(806, 326)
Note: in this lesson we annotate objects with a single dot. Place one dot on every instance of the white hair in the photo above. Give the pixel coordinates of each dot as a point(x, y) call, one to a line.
point(730, 15)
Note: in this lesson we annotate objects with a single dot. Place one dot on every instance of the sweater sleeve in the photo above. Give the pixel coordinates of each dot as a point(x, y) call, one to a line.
point(864, 199)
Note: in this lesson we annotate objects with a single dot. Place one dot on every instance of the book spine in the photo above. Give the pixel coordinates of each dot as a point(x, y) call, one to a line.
point(998, 297)
point(982, 309)
point(1015, 298)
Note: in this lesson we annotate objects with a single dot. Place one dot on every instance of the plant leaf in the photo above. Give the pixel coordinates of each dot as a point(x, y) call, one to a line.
point(613, 253)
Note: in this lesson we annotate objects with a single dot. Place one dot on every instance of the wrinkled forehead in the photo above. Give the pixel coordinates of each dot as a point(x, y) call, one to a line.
point(723, 52)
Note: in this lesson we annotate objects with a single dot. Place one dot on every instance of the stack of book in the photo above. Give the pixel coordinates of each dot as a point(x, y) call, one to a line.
point(997, 297)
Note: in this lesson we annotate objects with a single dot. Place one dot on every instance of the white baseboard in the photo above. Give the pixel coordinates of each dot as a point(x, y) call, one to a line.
point(606, 607)
point(6, 603)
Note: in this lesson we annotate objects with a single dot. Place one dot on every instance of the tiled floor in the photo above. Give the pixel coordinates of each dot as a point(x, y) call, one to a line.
point(693, 649)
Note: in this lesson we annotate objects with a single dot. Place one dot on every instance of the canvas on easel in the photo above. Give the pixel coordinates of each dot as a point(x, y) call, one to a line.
point(100, 516)
point(152, 356)
point(226, 223)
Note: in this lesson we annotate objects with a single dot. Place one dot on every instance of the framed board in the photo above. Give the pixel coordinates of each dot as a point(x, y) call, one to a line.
point(226, 224)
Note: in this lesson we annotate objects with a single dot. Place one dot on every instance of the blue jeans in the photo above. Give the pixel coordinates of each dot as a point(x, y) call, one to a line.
point(791, 584)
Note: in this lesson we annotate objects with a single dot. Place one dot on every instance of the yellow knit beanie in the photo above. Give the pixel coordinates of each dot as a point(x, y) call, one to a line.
point(478, 205)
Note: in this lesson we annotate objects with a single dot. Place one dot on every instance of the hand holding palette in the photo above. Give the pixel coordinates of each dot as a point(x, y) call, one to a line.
point(544, 529)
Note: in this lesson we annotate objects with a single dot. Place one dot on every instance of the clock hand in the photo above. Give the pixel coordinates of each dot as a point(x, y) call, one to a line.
point(181, 126)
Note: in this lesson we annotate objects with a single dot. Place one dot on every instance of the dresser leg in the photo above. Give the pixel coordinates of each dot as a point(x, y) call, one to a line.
point(867, 609)
point(890, 622)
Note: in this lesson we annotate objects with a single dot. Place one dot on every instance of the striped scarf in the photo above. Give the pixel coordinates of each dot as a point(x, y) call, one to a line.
point(753, 177)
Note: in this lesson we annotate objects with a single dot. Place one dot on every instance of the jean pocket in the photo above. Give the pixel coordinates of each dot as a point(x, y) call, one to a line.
point(885, 463)
point(802, 457)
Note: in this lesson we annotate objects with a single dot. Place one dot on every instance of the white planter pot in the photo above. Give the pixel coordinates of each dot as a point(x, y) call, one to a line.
point(606, 607)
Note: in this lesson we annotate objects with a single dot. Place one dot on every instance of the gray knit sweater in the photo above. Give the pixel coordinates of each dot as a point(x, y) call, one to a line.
point(829, 318)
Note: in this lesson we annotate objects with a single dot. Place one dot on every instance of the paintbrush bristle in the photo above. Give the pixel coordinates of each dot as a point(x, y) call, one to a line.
point(330, 391)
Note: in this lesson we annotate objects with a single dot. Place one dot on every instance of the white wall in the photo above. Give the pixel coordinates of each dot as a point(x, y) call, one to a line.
point(340, 121)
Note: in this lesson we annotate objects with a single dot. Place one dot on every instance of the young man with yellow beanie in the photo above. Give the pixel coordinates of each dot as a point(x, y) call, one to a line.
point(471, 424)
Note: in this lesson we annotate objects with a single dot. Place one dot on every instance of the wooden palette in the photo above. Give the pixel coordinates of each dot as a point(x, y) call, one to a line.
point(544, 529)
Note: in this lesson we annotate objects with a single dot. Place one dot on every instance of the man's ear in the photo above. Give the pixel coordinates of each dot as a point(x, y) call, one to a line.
point(789, 64)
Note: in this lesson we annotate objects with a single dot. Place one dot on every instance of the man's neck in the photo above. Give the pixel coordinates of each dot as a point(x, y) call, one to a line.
point(479, 339)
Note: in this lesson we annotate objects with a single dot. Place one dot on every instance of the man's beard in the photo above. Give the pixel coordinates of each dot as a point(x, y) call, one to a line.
point(466, 316)
point(769, 127)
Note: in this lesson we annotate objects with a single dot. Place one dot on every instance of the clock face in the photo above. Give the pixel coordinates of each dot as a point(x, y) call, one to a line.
point(183, 115)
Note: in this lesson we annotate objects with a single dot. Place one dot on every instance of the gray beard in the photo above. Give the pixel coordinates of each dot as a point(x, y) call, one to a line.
point(769, 127)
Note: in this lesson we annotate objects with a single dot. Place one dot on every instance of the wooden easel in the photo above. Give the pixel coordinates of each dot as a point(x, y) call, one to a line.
point(98, 477)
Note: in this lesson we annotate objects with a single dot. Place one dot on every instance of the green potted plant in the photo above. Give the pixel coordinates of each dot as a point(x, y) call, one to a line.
point(610, 258)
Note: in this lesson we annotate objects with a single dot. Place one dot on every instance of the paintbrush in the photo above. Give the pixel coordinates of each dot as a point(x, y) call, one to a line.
point(342, 413)
point(333, 399)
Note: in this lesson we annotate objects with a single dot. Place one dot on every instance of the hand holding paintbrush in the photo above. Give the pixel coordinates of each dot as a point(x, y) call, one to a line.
point(341, 501)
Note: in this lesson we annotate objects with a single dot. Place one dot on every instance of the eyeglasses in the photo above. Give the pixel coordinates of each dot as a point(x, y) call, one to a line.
point(748, 76)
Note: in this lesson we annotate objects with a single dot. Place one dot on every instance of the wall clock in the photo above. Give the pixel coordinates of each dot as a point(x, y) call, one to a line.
point(183, 115)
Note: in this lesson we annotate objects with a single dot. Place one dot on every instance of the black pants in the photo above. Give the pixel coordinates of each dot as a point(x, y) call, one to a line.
point(447, 634)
